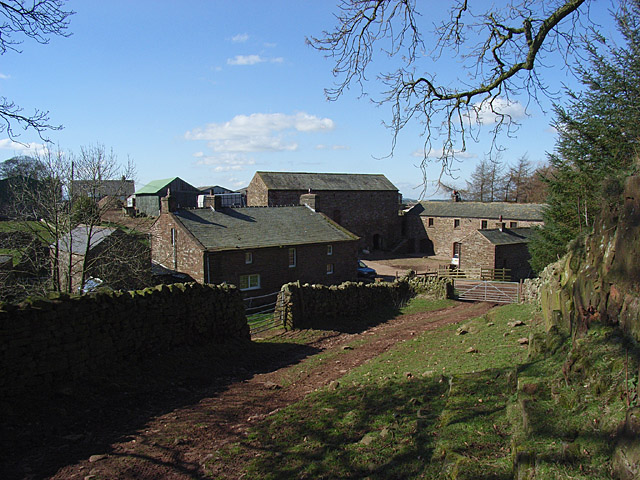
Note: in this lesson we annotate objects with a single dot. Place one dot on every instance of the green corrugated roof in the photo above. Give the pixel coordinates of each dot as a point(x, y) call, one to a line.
point(155, 186)
point(483, 210)
point(508, 235)
point(257, 227)
point(325, 181)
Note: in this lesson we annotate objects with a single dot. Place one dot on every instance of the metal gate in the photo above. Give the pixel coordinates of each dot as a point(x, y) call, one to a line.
point(263, 313)
point(487, 291)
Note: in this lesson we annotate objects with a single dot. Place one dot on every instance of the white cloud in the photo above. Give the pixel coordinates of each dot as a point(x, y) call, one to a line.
point(227, 162)
point(22, 149)
point(4, 76)
point(490, 112)
point(240, 38)
point(259, 132)
point(243, 60)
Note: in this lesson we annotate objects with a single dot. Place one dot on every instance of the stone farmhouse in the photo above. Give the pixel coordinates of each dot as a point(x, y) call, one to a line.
point(366, 205)
point(147, 199)
point(256, 248)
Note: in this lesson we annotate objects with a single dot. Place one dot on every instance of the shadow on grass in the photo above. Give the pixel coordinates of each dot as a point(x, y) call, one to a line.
point(40, 435)
point(357, 324)
point(375, 431)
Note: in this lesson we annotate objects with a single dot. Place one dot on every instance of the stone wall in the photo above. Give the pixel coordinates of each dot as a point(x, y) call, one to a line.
point(48, 343)
point(316, 306)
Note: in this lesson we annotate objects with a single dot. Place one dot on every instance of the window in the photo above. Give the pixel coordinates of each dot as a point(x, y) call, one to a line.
point(292, 257)
point(173, 236)
point(456, 223)
point(329, 249)
point(249, 282)
point(456, 249)
point(248, 258)
point(430, 222)
point(513, 224)
point(484, 224)
point(329, 268)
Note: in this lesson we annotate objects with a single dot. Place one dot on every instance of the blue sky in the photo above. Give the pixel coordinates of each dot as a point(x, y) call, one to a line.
point(212, 91)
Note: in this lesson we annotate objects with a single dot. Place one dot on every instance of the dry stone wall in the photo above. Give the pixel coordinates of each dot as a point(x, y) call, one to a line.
point(316, 306)
point(48, 343)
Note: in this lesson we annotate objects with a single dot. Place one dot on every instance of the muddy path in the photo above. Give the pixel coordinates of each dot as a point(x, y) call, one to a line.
point(172, 429)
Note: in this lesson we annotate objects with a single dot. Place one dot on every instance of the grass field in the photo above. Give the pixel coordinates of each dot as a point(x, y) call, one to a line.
point(463, 401)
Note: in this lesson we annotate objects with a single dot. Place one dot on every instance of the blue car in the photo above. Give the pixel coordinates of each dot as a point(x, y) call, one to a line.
point(365, 272)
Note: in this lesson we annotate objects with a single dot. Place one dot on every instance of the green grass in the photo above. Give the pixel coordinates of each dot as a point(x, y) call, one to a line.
point(397, 416)
point(571, 404)
point(425, 304)
point(431, 409)
point(27, 226)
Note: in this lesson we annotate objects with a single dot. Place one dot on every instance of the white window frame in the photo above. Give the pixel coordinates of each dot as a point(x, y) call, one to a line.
point(173, 236)
point(252, 282)
point(248, 258)
point(329, 249)
point(293, 257)
point(329, 268)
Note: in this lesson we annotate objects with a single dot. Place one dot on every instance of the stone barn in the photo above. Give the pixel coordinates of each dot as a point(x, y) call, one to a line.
point(367, 205)
point(497, 248)
point(438, 227)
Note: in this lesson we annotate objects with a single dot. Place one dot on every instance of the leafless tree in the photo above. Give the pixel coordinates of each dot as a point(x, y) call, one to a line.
point(499, 50)
point(36, 20)
point(517, 181)
point(68, 221)
point(487, 181)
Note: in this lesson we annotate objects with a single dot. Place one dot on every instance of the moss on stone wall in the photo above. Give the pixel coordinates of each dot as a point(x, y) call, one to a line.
point(315, 306)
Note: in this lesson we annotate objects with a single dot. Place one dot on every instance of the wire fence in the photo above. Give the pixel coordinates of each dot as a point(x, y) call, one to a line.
point(261, 313)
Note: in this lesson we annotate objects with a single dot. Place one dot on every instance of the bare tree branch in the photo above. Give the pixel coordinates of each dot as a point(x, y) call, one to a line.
point(37, 20)
point(499, 51)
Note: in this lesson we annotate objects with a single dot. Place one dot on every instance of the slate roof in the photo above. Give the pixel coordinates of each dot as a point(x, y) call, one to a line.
point(79, 238)
point(155, 186)
point(325, 181)
point(258, 227)
point(508, 236)
point(492, 210)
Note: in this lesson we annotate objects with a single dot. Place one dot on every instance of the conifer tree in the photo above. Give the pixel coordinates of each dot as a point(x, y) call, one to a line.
point(598, 135)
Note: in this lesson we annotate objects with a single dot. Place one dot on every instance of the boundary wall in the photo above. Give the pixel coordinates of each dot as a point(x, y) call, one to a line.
point(48, 343)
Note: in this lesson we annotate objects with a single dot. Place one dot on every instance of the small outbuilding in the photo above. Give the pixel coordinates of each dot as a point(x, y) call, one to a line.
point(147, 199)
point(496, 249)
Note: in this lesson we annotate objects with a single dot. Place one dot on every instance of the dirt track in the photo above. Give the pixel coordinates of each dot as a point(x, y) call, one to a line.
point(177, 442)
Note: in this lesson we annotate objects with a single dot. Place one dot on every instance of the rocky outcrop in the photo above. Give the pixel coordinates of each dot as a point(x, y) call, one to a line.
point(599, 279)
